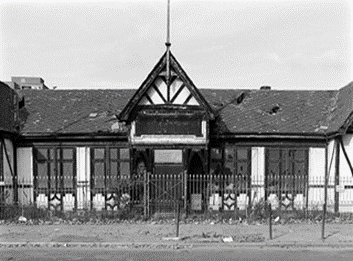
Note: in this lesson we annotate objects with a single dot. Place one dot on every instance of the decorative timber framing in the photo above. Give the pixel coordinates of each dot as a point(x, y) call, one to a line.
point(168, 98)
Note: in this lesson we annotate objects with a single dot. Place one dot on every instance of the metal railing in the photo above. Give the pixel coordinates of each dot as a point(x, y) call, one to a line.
point(197, 193)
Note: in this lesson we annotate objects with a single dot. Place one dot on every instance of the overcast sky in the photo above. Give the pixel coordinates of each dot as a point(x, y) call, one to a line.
point(220, 44)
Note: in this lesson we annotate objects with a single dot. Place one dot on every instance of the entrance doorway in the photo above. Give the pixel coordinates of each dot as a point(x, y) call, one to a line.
point(196, 183)
point(166, 183)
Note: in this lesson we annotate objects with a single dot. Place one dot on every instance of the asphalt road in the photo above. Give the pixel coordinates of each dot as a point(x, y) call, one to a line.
point(192, 254)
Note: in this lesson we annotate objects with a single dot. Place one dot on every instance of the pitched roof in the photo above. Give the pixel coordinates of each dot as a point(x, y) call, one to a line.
point(237, 111)
point(72, 111)
point(272, 112)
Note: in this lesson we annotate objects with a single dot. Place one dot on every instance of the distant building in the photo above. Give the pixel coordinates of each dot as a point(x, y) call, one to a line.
point(24, 83)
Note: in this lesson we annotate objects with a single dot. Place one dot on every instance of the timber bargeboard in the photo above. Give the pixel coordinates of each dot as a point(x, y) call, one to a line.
point(154, 90)
point(171, 101)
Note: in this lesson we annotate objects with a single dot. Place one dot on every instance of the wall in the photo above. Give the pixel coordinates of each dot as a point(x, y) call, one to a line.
point(25, 175)
point(257, 173)
point(345, 179)
point(83, 178)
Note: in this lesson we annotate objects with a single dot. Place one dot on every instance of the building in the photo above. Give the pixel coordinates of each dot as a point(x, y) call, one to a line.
point(9, 130)
point(208, 149)
point(24, 83)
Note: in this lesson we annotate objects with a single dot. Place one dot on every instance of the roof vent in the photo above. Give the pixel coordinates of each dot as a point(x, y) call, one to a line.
point(265, 88)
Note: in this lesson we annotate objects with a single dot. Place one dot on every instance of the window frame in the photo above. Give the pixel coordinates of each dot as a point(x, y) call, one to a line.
point(287, 157)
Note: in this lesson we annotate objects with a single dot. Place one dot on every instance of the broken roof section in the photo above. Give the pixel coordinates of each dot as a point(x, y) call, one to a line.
point(237, 112)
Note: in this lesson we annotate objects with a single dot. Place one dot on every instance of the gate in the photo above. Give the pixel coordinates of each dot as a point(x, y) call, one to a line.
point(164, 190)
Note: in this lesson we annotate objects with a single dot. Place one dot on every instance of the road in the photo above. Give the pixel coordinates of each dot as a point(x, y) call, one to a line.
point(191, 254)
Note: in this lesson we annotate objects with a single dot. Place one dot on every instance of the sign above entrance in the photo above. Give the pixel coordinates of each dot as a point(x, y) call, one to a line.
point(169, 132)
point(169, 125)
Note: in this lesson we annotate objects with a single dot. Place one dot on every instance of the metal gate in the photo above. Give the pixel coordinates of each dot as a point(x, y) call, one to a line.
point(164, 191)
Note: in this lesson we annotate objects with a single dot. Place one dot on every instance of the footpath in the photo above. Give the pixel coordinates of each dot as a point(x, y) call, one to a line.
point(154, 234)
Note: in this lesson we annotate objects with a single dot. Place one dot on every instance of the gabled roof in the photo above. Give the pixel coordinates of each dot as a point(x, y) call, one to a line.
point(152, 78)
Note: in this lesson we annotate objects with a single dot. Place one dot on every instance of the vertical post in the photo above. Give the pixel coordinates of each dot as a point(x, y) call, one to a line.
point(23, 181)
point(337, 176)
point(185, 192)
point(325, 194)
point(168, 47)
point(270, 219)
point(323, 222)
point(145, 196)
point(177, 218)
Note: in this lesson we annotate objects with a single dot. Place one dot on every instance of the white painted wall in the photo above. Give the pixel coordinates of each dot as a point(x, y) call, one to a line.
point(257, 173)
point(25, 175)
point(316, 178)
point(83, 177)
point(346, 178)
point(317, 170)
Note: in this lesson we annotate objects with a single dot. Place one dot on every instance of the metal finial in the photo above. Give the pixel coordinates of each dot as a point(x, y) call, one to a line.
point(167, 44)
point(168, 25)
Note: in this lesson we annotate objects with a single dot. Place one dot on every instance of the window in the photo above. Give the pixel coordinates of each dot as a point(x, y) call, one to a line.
point(286, 170)
point(237, 169)
point(108, 165)
point(55, 169)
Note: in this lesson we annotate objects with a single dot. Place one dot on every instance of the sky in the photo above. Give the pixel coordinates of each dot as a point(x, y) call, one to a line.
point(237, 44)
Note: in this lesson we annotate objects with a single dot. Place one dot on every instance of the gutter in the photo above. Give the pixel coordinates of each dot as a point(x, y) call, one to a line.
point(275, 136)
point(82, 136)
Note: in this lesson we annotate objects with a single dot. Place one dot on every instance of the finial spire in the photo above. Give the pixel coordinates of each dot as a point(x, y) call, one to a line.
point(167, 44)
point(168, 25)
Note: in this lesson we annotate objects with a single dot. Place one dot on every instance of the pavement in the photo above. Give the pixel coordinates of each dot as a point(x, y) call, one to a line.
point(163, 235)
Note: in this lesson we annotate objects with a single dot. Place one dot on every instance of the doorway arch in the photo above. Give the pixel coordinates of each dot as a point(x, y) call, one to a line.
point(196, 183)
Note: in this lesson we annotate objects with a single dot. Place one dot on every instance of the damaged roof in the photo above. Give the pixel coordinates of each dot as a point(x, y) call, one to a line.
point(73, 111)
point(237, 111)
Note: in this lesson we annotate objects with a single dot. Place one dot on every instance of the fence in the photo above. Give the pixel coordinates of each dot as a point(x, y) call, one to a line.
point(162, 193)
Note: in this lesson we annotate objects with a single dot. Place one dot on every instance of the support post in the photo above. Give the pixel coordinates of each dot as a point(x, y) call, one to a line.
point(337, 176)
point(270, 219)
point(323, 222)
point(325, 194)
point(145, 196)
point(177, 218)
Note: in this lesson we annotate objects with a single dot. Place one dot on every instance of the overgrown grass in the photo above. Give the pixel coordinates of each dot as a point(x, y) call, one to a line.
point(12, 213)
point(258, 213)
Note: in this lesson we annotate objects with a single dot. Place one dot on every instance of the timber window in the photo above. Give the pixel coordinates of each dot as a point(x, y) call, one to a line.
point(108, 165)
point(286, 171)
point(55, 169)
point(237, 171)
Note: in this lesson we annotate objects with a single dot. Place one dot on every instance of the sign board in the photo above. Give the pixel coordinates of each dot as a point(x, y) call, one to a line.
point(196, 201)
point(156, 125)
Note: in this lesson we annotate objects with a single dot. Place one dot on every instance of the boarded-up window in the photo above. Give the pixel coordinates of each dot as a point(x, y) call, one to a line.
point(108, 165)
point(286, 170)
point(55, 169)
point(66, 165)
point(237, 169)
